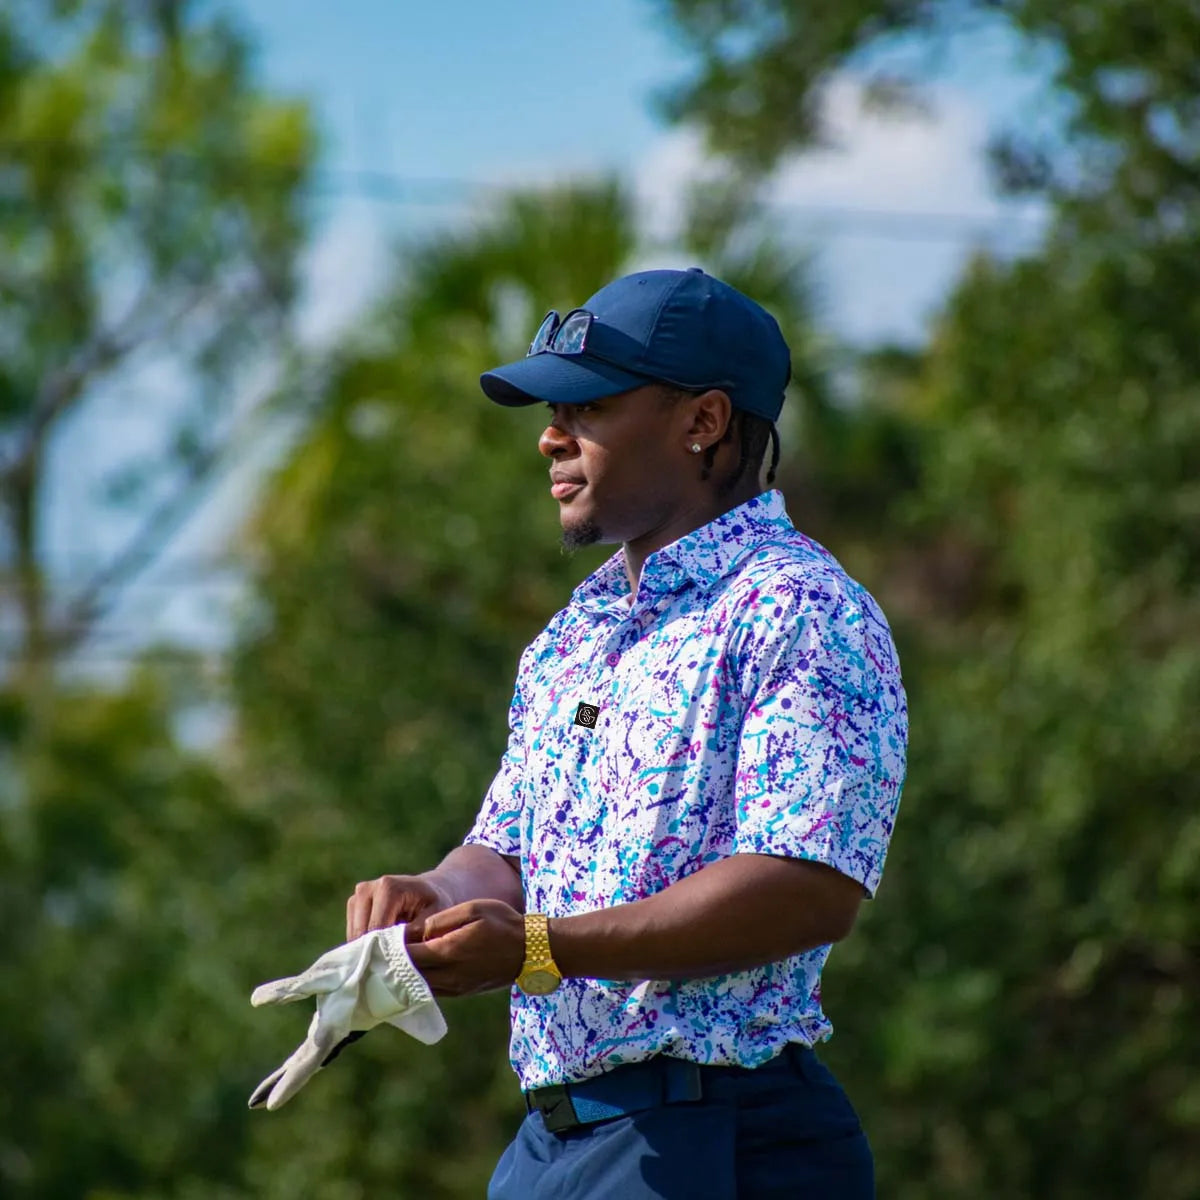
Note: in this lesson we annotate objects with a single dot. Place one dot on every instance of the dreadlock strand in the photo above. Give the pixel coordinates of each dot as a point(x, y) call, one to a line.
point(774, 454)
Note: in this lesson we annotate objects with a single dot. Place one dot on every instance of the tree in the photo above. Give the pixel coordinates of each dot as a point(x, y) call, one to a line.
point(1045, 965)
point(1123, 73)
point(1018, 1015)
point(150, 214)
point(122, 1015)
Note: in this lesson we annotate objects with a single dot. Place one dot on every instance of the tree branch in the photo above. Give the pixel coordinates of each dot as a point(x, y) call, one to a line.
point(59, 388)
point(98, 595)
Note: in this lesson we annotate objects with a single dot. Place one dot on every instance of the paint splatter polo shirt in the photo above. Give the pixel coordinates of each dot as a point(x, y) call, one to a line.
point(746, 700)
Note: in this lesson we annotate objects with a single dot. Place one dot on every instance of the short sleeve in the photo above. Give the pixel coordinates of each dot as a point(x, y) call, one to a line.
point(822, 748)
point(498, 825)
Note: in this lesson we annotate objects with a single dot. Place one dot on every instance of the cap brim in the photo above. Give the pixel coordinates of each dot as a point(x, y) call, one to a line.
point(556, 379)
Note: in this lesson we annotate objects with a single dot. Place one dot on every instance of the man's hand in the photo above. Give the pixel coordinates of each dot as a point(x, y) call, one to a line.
point(390, 899)
point(468, 872)
point(357, 986)
point(473, 947)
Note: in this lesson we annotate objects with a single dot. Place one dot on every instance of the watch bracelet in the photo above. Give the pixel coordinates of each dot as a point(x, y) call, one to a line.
point(537, 939)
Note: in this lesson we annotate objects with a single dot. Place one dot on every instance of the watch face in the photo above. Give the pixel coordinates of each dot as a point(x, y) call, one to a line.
point(538, 983)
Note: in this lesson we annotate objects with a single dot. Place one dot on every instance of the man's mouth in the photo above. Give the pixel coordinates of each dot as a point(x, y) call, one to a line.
point(563, 486)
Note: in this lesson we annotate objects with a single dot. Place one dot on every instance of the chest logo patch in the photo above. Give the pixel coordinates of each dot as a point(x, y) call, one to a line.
point(587, 715)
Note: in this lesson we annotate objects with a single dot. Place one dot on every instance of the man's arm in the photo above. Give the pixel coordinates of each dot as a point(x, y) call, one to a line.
point(469, 872)
point(741, 912)
point(732, 915)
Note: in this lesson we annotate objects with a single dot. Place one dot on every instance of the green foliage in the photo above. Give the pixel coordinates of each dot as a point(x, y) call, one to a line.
point(1016, 1014)
point(761, 66)
point(1036, 936)
point(1123, 71)
point(150, 215)
point(114, 995)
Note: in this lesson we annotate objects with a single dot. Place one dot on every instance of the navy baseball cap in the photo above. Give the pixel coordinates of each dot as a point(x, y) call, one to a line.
point(684, 328)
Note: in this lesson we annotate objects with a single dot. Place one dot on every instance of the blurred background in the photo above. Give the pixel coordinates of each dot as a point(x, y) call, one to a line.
point(268, 558)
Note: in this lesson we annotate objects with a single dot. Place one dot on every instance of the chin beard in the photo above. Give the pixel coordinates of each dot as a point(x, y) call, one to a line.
point(575, 537)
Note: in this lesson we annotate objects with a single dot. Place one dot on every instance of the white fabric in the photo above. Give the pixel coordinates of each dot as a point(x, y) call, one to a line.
point(357, 986)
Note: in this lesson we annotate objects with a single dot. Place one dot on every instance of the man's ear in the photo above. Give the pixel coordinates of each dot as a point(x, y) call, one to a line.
point(712, 412)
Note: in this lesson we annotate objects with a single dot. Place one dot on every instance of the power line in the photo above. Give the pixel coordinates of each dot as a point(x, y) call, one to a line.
point(393, 188)
point(838, 220)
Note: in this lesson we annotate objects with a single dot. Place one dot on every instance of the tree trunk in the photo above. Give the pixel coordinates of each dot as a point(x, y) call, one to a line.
point(30, 654)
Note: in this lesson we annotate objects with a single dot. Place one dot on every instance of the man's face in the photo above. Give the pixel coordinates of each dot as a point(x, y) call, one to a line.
point(620, 467)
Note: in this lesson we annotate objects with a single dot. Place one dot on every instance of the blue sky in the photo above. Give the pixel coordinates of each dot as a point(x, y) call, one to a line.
point(468, 88)
point(520, 93)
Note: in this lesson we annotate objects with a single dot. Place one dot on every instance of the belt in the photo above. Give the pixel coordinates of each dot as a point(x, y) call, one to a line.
point(632, 1088)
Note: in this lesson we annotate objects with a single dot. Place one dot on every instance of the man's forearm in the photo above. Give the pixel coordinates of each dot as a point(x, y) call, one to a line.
point(731, 915)
point(474, 872)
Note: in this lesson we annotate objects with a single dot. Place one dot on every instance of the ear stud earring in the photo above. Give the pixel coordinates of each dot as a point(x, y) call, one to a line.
point(695, 447)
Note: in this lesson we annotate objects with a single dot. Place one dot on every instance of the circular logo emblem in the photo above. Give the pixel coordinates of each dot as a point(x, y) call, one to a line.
point(586, 715)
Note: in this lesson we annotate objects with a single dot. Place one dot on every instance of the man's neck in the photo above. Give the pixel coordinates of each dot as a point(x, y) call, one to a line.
point(685, 522)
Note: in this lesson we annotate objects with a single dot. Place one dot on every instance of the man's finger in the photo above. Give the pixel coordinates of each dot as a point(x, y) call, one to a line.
point(358, 910)
point(423, 958)
point(385, 907)
point(433, 959)
point(448, 920)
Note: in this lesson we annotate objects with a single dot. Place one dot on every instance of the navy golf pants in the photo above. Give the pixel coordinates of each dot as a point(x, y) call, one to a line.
point(785, 1129)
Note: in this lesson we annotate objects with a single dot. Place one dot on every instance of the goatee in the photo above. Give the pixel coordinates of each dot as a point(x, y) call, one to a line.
point(575, 537)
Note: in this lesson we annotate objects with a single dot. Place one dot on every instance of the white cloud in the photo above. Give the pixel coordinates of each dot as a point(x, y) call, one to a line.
point(911, 162)
point(892, 206)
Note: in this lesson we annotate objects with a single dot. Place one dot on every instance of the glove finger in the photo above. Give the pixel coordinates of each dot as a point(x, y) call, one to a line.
point(261, 1093)
point(258, 1097)
point(304, 1065)
point(312, 982)
point(331, 971)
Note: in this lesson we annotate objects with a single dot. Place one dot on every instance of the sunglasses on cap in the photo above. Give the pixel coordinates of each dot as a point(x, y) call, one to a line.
point(569, 336)
point(562, 335)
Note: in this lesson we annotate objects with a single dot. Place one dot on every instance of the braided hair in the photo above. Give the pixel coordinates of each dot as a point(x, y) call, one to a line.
point(752, 432)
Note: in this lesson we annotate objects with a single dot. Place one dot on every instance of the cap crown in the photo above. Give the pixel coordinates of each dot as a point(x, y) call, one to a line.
point(689, 329)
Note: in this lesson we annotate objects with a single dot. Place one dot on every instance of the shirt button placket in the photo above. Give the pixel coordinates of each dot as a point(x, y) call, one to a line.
point(612, 658)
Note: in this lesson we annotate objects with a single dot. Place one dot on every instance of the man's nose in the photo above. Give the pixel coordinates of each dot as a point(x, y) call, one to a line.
point(555, 442)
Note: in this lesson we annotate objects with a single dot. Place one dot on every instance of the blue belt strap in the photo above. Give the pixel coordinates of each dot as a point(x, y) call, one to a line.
point(617, 1093)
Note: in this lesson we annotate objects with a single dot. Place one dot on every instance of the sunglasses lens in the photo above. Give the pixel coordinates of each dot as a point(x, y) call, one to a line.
point(541, 339)
point(572, 334)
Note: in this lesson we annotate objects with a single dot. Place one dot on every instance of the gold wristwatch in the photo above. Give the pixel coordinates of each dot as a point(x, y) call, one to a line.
point(540, 975)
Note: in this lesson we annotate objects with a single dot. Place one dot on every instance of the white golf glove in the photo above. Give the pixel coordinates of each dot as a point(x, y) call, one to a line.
point(357, 986)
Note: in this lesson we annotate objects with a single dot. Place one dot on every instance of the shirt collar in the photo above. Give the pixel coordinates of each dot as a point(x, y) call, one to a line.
point(703, 556)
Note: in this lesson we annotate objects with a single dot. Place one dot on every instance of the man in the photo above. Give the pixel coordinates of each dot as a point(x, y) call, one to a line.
point(706, 753)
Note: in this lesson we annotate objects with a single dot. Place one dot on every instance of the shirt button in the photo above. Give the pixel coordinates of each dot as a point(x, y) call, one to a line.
point(613, 659)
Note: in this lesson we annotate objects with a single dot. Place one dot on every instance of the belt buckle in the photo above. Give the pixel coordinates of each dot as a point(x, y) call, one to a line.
point(554, 1103)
